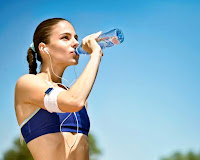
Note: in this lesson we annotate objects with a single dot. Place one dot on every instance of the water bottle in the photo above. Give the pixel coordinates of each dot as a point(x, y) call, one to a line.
point(105, 40)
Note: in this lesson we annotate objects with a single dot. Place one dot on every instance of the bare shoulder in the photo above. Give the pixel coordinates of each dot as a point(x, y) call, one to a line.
point(26, 79)
point(29, 80)
point(30, 88)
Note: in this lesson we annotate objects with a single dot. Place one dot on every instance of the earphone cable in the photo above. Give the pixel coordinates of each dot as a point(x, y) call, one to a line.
point(71, 112)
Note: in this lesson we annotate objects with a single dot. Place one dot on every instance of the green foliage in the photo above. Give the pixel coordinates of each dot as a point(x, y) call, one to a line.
point(94, 150)
point(179, 156)
point(21, 152)
point(18, 152)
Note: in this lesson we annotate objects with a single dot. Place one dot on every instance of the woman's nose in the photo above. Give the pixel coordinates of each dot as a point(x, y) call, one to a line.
point(76, 43)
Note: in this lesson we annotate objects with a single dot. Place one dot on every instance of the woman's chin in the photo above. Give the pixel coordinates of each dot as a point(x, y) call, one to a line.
point(75, 62)
point(72, 62)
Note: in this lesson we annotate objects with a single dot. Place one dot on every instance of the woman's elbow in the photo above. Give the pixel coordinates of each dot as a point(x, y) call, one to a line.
point(79, 106)
point(69, 103)
point(73, 106)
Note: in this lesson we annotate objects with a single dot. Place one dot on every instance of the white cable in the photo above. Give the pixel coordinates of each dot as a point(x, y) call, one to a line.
point(71, 112)
point(77, 129)
point(61, 77)
point(75, 78)
point(53, 71)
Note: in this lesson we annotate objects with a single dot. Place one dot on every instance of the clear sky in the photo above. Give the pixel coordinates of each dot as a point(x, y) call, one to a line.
point(145, 103)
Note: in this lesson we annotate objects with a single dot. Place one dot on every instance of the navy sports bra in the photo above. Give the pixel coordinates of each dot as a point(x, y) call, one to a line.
point(42, 122)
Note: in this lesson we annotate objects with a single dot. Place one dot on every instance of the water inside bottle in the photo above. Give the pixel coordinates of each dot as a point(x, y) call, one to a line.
point(109, 41)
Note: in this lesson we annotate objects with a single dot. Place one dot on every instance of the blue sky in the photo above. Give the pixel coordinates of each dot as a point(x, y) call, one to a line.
point(145, 102)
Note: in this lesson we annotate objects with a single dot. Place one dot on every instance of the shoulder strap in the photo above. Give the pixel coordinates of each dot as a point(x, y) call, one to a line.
point(49, 83)
point(52, 86)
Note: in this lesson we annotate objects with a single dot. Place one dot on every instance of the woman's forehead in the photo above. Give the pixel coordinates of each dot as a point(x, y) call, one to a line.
point(63, 27)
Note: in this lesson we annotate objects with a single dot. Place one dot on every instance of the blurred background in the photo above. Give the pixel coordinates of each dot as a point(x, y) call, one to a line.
point(145, 103)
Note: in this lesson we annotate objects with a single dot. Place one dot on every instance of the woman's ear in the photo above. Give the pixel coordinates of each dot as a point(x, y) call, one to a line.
point(41, 47)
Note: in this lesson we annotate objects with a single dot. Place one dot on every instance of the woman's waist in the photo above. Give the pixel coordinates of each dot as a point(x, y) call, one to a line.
point(53, 145)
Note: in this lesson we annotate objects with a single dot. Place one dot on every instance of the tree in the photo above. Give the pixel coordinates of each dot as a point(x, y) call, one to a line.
point(20, 151)
point(179, 156)
point(94, 150)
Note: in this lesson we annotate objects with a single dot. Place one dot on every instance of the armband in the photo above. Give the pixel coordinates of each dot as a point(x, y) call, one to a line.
point(50, 99)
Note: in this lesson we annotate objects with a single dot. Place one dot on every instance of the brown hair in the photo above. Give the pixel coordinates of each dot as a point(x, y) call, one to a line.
point(42, 34)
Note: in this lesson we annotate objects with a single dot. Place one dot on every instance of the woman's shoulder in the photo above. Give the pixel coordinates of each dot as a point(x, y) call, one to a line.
point(29, 80)
point(30, 88)
point(26, 77)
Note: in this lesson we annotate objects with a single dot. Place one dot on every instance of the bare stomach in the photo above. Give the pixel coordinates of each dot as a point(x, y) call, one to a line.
point(48, 147)
point(80, 150)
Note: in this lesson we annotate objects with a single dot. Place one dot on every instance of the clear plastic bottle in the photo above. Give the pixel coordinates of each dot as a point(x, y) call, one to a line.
point(105, 40)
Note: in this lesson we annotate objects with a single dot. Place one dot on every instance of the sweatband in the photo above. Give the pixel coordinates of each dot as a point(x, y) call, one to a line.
point(50, 99)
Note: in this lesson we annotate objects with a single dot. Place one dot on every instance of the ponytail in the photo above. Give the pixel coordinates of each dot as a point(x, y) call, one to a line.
point(32, 61)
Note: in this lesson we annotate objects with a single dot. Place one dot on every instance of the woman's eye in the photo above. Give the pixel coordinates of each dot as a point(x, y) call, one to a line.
point(66, 37)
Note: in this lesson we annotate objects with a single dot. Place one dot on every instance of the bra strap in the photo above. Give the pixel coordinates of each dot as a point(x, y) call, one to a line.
point(49, 83)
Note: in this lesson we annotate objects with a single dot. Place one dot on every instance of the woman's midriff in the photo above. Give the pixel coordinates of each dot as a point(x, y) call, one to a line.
point(48, 147)
point(80, 150)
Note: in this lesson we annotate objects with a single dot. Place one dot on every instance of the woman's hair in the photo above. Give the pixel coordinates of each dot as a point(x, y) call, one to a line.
point(42, 34)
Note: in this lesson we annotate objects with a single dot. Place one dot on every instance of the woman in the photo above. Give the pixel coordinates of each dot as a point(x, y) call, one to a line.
point(38, 97)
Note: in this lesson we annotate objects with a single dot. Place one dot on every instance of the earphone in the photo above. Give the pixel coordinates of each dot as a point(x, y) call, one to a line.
point(46, 50)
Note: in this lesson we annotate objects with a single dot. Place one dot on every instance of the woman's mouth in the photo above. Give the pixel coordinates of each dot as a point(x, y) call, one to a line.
point(73, 53)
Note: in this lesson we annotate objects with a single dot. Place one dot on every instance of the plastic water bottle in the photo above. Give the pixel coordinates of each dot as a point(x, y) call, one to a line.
point(105, 40)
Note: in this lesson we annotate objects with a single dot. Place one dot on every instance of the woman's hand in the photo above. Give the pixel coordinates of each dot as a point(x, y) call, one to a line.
point(90, 44)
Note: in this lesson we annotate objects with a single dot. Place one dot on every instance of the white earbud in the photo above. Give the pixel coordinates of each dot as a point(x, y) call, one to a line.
point(46, 50)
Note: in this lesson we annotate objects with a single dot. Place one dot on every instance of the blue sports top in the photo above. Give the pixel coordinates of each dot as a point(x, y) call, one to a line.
point(70, 124)
point(42, 122)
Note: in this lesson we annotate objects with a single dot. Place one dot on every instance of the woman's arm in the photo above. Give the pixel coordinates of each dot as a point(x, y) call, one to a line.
point(83, 86)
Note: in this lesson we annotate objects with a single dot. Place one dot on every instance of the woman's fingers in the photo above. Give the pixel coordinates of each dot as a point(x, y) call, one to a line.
point(89, 42)
point(94, 35)
point(98, 34)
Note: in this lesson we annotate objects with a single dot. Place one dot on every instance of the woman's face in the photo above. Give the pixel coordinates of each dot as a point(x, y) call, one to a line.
point(63, 42)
